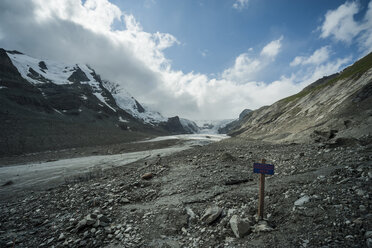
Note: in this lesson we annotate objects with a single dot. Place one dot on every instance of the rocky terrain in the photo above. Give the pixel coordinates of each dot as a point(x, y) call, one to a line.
point(205, 197)
point(338, 104)
point(319, 141)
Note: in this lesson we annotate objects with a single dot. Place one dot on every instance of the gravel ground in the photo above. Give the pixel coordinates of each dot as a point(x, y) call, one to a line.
point(205, 197)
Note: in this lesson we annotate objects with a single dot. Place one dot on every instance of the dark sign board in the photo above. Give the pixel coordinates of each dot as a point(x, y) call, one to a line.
point(263, 168)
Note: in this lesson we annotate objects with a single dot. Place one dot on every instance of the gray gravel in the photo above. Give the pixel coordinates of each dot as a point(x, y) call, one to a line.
point(319, 197)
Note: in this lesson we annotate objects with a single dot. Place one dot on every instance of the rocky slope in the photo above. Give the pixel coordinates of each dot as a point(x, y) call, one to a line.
point(235, 123)
point(334, 107)
point(48, 105)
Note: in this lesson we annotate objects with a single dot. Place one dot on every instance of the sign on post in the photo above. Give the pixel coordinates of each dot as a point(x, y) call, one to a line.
point(262, 169)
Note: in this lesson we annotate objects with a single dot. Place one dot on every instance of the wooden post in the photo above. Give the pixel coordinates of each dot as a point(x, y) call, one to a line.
point(261, 197)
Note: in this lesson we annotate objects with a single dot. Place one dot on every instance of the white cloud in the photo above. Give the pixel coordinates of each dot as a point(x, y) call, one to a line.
point(366, 38)
point(70, 31)
point(314, 73)
point(341, 25)
point(318, 57)
point(246, 67)
point(95, 15)
point(243, 69)
point(273, 48)
point(240, 4)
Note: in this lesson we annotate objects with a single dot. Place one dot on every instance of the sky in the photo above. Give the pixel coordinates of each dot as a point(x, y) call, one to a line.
point(198, 59)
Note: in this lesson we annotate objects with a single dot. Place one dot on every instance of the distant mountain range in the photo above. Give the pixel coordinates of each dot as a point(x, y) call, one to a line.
point(51, 105)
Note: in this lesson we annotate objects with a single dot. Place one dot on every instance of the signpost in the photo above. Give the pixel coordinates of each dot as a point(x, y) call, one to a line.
point(262, 169)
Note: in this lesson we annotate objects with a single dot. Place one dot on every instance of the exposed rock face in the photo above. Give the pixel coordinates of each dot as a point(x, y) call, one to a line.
point(236, 123)
point(51, 106)
point(334, 106)
point(244, 113)
point(174, 125)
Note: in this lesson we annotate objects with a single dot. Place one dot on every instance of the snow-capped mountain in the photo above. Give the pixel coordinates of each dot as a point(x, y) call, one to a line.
point(46, 71)
point(128, 103)
point(46, 104)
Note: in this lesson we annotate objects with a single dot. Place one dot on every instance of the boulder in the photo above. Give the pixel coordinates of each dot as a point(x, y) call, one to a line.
point(239, 227)
point(211, 214)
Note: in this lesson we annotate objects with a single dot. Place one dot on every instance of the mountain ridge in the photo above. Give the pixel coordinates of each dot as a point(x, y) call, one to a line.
point(51, 105)
point(328, 104)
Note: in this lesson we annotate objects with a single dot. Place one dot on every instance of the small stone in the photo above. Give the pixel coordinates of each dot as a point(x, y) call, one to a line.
point(369, 242)
point(302, 200)
point(227, 157)
point(91, 219)
point(103, 218)
point(147, 176)
point(262, 226)
point(239, 227)
point(360, 192)
point(191, 214)
point(211, 214)
point(50, 240)
point(61, 237)
point(362, 208)
point(82, 224)
point(124, 200)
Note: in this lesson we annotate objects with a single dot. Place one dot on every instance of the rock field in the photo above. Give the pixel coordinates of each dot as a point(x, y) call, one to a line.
point(320, 196)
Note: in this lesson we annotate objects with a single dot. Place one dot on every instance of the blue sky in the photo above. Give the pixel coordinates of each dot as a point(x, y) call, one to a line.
point(199, 59)
point(213, 33)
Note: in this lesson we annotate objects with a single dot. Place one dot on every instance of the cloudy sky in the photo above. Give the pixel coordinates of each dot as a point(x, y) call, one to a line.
point(200, 59)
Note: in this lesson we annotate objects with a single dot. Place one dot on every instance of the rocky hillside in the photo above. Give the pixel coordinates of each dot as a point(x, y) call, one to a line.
point(336, 108)
point(235, 123)
point(48, 105)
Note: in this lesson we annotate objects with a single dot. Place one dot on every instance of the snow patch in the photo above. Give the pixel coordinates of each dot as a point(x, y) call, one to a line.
point(122, 120)
point(126, 102)
point(102, 99)
point(57, 72)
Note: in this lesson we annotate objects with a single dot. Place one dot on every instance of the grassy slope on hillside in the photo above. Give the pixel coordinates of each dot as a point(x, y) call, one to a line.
point(356, 70)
